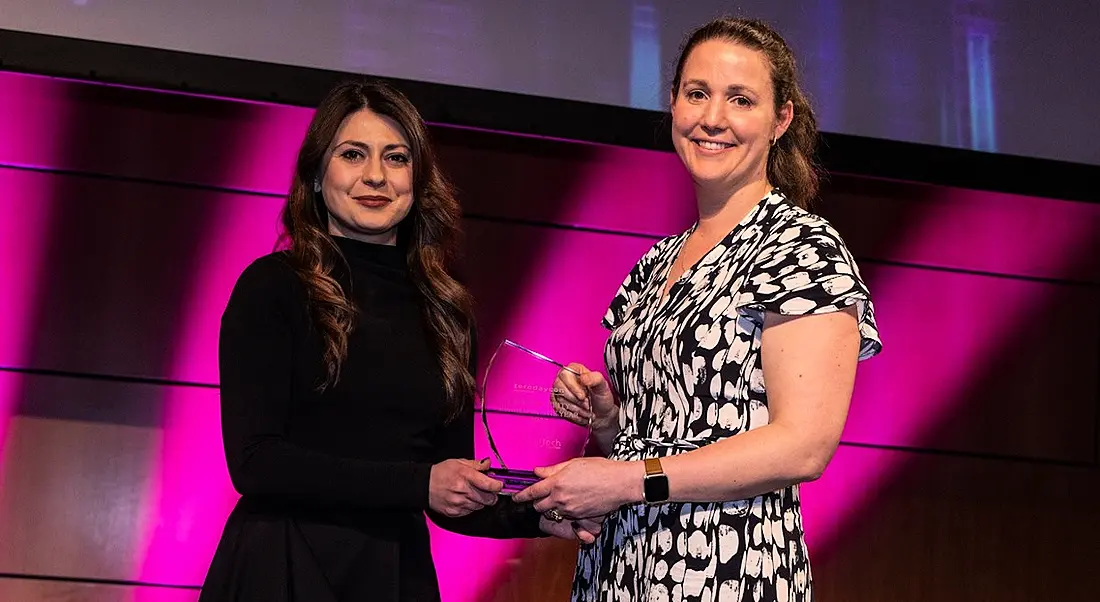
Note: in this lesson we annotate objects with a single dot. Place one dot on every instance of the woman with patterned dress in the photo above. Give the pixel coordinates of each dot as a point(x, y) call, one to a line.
point(731, 356)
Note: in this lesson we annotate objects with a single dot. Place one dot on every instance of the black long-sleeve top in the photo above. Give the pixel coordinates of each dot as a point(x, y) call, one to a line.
point(334, 485)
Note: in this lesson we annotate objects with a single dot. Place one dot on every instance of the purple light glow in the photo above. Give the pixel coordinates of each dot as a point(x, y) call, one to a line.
point(551, 313)
point(1003, 233)
point(267, 136)
point(23, 239)
point(36, 119)
point(946, 334)
point(631, 190)
point(190, 492)
point(25, 214)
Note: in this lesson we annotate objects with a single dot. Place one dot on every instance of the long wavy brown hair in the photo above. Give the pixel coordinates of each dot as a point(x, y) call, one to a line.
point(430, 234)
point(792, 161)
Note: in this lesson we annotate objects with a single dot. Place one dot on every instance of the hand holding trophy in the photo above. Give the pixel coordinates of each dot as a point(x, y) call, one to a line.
point(584, 397)
point(536, 423)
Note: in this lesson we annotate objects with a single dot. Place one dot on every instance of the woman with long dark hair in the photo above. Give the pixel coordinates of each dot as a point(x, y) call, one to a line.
point(347, 376)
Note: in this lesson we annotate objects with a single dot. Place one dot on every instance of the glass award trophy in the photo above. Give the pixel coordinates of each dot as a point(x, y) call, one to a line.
point(521, 427)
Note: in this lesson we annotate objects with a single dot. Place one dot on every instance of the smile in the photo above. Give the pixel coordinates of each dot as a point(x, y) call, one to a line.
point(712, 145)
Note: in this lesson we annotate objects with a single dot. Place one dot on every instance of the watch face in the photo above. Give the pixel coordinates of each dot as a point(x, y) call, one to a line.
point(656, 488)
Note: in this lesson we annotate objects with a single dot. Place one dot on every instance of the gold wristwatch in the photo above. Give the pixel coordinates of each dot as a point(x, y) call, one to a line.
point(655, 485)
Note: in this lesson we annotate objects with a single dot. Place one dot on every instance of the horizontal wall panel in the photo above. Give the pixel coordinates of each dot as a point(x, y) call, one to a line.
point(37, 590)
point(966, 229)
point(122, 278)
point(904, 527)
point(543, 574)
point(546, 288)
point(568, 183)
point(111, 480)
point(980, 364)
point(75, 126)
point(75, 501)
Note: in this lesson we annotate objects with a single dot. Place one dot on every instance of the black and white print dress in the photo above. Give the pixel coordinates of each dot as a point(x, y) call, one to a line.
point(687, 370)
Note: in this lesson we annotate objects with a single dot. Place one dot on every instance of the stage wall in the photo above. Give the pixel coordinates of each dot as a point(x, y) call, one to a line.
point(969, 465)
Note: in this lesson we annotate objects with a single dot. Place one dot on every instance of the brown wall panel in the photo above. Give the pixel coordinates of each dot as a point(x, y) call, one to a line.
point(953, 528)
point(980, 364)
point(568, 183)
point(73, 502)
point(544, 574)
point(124, 272)
point(966, 229)
point(80, 467)
point(76, 126)
point(546, 288)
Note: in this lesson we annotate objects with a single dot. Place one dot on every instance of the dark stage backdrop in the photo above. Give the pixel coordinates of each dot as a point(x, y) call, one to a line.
point(968, 469)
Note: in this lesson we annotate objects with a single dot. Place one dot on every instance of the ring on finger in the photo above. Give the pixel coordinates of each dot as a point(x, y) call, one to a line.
point(554, 515)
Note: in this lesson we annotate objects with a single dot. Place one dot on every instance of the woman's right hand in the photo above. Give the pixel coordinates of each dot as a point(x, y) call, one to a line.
point(578, 398)
point(458, 487)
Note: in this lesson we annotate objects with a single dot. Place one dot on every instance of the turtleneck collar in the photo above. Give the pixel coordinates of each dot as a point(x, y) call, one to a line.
point(391, 256)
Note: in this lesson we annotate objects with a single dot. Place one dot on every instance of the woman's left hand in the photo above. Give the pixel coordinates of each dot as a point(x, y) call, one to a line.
point(585, 487)
point(584, 530)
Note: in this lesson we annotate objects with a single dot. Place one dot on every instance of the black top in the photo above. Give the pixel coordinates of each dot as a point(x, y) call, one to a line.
point(334, 485)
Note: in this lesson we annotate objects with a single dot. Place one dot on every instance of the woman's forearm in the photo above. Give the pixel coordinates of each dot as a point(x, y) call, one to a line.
point(741, 467)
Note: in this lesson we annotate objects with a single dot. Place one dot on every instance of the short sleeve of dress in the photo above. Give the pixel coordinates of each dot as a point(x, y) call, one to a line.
point(807, 269)
point(632, 287)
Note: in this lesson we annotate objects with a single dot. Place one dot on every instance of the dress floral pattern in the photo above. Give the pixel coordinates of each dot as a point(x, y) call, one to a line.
point(687, 369)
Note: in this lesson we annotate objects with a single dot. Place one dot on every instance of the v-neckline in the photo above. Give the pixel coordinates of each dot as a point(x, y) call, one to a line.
point(666, 288)
point(666, 271)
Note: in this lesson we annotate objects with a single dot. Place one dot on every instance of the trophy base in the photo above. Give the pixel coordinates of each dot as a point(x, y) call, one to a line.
point(514, 480)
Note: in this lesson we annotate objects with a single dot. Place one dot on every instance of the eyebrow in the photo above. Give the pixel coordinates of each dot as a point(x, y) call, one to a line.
point(366, 147)
point(733, 89)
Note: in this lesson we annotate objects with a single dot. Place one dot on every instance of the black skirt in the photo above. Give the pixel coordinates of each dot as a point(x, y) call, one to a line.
point(274, 553)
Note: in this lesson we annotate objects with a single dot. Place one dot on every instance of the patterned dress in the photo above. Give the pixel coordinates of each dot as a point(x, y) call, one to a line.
point(687, 370)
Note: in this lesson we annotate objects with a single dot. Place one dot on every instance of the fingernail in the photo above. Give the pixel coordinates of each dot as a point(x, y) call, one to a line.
point(485, 459)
